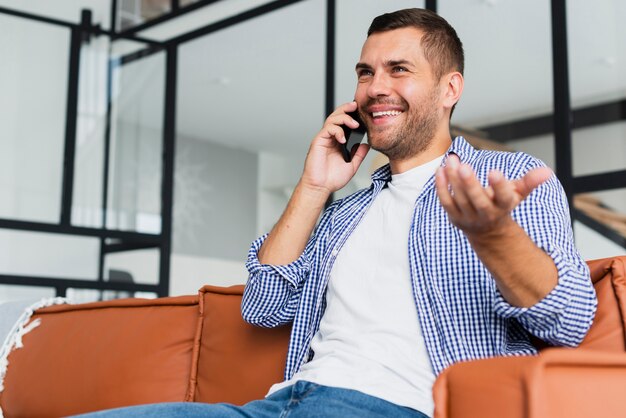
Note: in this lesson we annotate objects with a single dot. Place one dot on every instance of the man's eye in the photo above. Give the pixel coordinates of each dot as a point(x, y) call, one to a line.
point(399, 69)
point(364, 73)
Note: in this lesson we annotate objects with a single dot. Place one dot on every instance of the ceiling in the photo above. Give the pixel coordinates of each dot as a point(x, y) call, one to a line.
point(260, 85)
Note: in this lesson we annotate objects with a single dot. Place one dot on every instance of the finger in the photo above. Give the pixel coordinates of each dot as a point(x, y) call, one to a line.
point(533, 179)
point(341, 111)
point(340, 121)
point(349, 121)
point(490, 193)
point(359, 155)
point(443, 192)
point(345, 108)
point(453, 175)
point(505, 196)
point(342, 118)
point(477, 196)
point(334, 132)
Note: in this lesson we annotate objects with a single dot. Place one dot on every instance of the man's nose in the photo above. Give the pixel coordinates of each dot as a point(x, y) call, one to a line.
point(379, 86)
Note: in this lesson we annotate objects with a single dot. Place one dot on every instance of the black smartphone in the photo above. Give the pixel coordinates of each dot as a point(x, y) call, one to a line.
point(353, 136)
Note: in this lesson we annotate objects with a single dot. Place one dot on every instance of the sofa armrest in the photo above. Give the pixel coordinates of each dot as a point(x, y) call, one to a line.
point(559, 382)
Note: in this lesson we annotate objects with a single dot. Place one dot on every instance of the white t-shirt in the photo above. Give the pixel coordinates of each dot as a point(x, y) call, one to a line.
point(369, 338)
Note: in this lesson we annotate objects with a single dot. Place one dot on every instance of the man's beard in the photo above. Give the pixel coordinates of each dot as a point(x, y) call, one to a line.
point(414, 136)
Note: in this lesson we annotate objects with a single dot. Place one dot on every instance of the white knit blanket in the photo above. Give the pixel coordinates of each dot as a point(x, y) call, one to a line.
point(13, 339)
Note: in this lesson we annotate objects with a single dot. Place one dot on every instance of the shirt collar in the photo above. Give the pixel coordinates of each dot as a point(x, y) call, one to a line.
point(459, 146)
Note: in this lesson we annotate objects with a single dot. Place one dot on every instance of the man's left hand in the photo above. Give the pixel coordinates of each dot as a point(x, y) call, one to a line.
point(478, 210)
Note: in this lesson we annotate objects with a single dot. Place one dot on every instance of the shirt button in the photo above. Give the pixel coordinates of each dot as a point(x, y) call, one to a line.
point(334, 252)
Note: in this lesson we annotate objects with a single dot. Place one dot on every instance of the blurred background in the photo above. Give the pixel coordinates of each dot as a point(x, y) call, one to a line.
point(144, 144)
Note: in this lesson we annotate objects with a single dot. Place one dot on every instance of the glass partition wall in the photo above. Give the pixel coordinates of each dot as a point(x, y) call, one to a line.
point(83, 161)
point(144, 159)
point(598, 89)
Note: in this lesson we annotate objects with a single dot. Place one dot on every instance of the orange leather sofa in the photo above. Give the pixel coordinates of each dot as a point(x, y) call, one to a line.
point(198, 349)
point(102, 355)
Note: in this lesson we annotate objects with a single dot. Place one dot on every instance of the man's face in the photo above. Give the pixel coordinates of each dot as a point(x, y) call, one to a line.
point(397, 94)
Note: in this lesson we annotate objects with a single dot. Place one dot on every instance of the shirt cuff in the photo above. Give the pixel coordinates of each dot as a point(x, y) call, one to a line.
point(554, 302)
point(294, 273)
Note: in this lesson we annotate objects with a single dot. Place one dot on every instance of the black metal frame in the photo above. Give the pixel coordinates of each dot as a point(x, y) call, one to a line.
point(204, 30)
point(431, 5)
point(175, 12)
point(112, 241)
point(584, 117)
point(125, 240)
point(167, 183)
point(331, 16)
point(562, 105)
point(94, 30)
point(70, 121)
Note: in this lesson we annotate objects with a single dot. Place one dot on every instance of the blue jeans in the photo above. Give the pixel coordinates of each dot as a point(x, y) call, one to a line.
point(303, 399)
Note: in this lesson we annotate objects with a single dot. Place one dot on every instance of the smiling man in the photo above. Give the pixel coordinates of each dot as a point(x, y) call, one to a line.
point(451, 254)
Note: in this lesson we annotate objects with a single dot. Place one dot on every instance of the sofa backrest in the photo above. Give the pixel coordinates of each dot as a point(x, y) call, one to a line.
point(237, 362)
point(102, 355)
point(608, 332)
point(109, 354)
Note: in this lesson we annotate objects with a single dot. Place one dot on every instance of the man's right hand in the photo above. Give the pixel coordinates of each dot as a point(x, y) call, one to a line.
point(325, 170)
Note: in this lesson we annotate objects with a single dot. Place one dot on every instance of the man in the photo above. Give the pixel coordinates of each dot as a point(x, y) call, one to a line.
point(451, 254)
point(416, 273)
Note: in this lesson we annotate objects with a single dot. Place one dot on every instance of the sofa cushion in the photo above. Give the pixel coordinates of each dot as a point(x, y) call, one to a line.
point(608, 331)
point(238, 362)
point(488, 388)
point(103, 355)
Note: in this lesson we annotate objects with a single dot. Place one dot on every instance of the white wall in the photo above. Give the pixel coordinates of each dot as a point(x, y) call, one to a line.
point(593, 245)
point(277, 177)
point(215, 200)
point(33, 83)
point(215, 209)
point(190, 273)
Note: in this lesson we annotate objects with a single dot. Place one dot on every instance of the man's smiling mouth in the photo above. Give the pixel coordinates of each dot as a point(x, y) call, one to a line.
point(386, 113)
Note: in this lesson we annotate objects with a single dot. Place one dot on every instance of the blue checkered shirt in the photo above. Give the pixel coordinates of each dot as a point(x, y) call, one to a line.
point(461, 312)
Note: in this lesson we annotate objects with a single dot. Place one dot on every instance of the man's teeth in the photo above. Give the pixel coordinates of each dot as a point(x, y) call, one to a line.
point(386, 113)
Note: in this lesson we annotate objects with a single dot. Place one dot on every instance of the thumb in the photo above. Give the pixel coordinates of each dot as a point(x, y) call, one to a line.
point(359, 155)
point(531, 180)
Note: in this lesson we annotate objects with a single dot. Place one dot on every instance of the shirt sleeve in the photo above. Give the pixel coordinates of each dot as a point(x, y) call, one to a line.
point(564, 316)
point(272, 293)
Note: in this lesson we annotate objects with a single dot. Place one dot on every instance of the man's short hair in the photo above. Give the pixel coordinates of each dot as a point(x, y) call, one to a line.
point(442, 47)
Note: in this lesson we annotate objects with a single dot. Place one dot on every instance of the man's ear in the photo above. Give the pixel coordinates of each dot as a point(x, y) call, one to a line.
point(453, 88)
